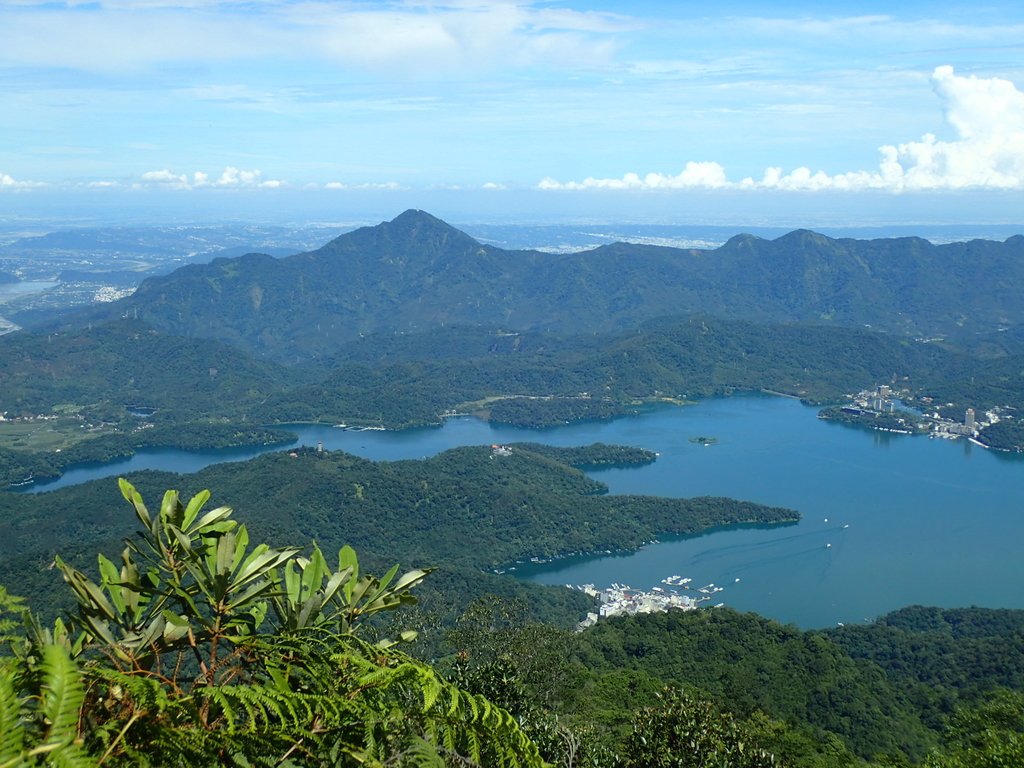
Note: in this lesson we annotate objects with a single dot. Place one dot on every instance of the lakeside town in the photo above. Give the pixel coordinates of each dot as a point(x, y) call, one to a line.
point(883, 408)
point(623, 600)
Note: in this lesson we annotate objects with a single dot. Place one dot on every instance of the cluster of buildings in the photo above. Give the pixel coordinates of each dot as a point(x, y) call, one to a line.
point(883, 400)
point(880, 400)
point(948, 428)
point(623, 600)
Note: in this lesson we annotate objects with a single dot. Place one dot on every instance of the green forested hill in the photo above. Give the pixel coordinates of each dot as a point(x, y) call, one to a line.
point(106, 368)
point(416, 273)
point(958, 652)
point(466, 509)
point(408, 379)
point(399, 379)
point(99, 374)
point(752, 664)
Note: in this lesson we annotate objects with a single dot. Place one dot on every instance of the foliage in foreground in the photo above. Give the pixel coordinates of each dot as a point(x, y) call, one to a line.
point(202, 650)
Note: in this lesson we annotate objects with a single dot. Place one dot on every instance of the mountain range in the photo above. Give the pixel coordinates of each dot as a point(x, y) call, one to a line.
point(416, 273)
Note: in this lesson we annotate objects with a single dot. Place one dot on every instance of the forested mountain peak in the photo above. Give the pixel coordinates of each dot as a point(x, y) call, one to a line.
point(743, 240)
point(803, 237)
point(411, 235)
point(417, 273)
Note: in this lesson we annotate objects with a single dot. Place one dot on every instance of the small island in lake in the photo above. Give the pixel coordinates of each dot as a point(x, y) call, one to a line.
point(703, 440)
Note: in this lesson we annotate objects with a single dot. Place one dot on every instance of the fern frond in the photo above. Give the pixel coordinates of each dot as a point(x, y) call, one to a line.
point(423, 754)
point(63, 695)
point(12, 733)
point(139, 692)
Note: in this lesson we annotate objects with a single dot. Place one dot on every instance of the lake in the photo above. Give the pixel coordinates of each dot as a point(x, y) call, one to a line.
point(888, 520)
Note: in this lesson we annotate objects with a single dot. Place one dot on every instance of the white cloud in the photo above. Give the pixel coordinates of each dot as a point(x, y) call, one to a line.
point(164, 179)
point(10, 183)
point(985, 114)
point(230, 178)
point(694, 175)
point(234, 177)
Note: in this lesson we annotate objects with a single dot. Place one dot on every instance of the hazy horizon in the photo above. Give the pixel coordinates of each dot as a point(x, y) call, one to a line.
point(801, 115)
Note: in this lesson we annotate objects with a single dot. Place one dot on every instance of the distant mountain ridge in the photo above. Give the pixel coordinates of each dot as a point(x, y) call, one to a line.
point(416, 272)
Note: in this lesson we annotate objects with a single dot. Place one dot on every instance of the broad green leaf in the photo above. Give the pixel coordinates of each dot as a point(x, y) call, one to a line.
point(336, 581)
point(213, 516)
point(347, 559)
point(149, 637)
point(313, 572)
point(130, 587)
point(195, 504)
point(184, 540)
point(310, 612)
point(176, 627)
point(110, 579)
point(242, 544)
point(260, 562)
point(258, 612)
point(99, 629)
point(411, 578)
point(170, 508)
point(387, 577)
point(292, 583)
point(226, 553)
point(254, 591)
point(134, 498)
point(90, 596)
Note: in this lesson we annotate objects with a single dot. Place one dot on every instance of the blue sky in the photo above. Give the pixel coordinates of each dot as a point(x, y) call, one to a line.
point(659, 110)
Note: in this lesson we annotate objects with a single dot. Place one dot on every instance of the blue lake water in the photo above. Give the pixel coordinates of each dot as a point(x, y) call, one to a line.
point(909, 519)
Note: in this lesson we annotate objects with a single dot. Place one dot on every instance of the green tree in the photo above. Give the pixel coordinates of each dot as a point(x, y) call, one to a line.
point(202, 650)
point(988, 736)
point(527, 669)
point(680, 731)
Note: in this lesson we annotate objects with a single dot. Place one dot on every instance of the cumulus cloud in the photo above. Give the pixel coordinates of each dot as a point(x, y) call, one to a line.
point(986, 116)
point(694, 175)
point(10, 183)
point(230, 178)
point(164, 179)
point(235, 177)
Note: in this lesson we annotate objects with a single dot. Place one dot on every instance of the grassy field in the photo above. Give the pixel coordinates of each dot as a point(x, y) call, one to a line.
point(43, 435)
